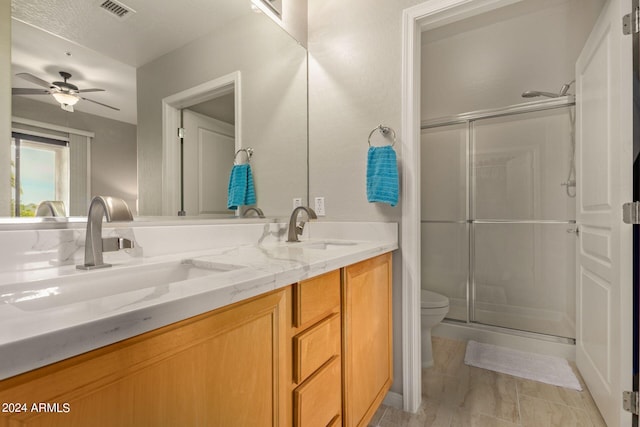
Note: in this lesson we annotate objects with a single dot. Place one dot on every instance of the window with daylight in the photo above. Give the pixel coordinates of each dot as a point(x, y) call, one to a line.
point(39, 172)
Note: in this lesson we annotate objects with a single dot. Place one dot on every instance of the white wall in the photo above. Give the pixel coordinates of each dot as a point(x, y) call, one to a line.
point(113, 150)
point(294, 19)
point(5, 105)
point(293, 16)
point(273, 79)
point(354, 85)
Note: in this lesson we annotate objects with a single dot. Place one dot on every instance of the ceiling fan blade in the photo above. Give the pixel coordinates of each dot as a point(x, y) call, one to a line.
point(90, 90)
point(100, 103)
point(26, 91)
point(34, 79)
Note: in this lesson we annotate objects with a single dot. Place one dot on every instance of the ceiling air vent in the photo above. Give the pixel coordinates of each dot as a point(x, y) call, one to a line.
point(117, 9)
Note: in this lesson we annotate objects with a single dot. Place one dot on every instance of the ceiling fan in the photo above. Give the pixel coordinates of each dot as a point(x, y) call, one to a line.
point(65, 93)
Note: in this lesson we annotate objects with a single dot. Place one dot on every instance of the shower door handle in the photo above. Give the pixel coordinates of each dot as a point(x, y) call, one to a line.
point(575, 230)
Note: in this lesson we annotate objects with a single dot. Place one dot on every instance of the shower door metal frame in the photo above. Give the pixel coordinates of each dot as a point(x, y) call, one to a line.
point(471, 229)
point(525, 107)
point(470, 119)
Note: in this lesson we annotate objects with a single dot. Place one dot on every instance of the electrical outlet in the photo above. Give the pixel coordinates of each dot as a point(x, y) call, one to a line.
point(319, 206)
point(297, 201)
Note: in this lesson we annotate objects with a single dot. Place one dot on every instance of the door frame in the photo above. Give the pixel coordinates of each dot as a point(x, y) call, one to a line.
point(171, 106)
point(636, 228)
point(415, 20)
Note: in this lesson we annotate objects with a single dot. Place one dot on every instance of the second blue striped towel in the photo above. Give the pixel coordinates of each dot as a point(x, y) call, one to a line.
point(382, 175)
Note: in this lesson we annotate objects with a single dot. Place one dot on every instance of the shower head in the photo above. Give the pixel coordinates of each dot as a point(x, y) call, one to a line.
point(565, 87)
point(534, 93)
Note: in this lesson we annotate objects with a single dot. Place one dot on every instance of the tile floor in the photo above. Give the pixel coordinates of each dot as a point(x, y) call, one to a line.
point(457, 395)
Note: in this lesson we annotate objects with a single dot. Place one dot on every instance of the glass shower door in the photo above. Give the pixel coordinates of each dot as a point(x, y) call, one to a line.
point(444, 207)
point(523, 222)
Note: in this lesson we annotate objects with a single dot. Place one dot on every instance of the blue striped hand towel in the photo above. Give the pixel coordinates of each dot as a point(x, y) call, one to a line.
point(382, 175)
point(241, 191)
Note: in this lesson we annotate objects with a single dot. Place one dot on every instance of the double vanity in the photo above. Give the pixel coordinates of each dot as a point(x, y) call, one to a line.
point(199, 324)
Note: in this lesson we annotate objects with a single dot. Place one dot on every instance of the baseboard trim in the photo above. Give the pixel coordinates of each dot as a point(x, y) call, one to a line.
point(393, 399)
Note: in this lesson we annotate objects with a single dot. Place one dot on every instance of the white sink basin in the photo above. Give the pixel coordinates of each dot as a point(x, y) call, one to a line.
point(85, 286)
point(327, 244)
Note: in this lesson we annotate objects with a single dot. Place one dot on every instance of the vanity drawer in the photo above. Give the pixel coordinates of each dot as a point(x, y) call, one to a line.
point(316, 298)
point(318, 401)
point(314, 347)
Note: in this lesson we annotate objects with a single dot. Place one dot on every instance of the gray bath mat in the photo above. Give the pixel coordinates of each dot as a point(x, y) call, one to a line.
point(547, 369)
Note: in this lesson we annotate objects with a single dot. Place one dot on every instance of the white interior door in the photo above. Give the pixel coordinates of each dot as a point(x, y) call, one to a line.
point(209, 146)
point(604, 170)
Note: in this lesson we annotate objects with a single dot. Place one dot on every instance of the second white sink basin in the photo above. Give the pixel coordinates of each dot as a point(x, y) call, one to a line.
point(85, 286)
point(327, 244)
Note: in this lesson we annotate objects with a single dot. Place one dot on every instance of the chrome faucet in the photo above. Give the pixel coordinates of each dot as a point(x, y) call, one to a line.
point(296, 230)
point(258, 211)
point(51, 208)
point(112, 209)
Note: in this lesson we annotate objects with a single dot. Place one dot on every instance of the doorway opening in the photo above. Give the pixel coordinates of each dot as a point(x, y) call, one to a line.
point(172, 106)
point(606, 295)
point(208, 147)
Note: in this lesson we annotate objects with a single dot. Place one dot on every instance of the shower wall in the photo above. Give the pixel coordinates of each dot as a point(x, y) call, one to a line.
point(497, 223)
point(487, 61)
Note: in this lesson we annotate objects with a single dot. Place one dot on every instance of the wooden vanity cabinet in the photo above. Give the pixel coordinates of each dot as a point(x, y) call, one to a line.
point(342, 345)
point(367, 338)
point(223, 368)
point(317, 353)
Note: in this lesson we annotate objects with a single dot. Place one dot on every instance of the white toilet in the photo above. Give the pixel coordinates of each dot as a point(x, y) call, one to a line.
point(433, 308)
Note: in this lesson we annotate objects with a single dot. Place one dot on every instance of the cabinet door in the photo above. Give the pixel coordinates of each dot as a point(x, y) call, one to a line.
point(367, 340)
point(224, 368)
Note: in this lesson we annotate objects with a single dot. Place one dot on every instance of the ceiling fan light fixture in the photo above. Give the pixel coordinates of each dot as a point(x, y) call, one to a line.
point(66, 98)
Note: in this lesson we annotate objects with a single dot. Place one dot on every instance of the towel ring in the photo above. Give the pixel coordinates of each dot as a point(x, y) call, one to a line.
point(384, 130)
point(247, 151)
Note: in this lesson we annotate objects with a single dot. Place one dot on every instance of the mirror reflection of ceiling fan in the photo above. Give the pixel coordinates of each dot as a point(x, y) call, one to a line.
point(65, 93)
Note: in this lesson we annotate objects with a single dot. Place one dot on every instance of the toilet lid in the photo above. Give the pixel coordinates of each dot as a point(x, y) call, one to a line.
point(430, 299)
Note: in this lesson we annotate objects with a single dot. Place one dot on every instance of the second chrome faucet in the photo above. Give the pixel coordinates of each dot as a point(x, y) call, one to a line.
point(296, 230)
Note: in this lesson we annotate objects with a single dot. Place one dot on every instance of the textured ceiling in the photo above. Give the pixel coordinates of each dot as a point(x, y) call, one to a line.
point(156, 28)
point(105, 51)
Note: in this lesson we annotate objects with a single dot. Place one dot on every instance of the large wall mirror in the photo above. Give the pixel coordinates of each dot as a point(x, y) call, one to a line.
point(220, 69)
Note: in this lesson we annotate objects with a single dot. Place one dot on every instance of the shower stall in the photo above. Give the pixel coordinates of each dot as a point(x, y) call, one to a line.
point(498, 216)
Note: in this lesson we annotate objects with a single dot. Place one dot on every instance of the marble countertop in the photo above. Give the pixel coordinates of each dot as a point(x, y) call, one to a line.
point(48, 316)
